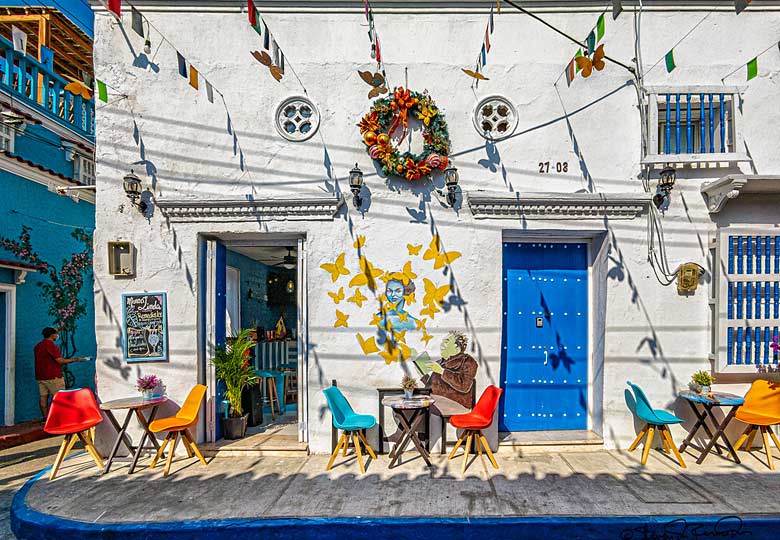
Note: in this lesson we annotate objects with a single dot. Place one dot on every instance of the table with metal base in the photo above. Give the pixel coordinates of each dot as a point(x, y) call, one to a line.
point(135, 407)
point(408, 413)
point(708, 402)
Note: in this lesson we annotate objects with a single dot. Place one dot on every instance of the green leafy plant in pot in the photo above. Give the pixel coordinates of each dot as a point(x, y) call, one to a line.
point(232, 366)
point(701, 381)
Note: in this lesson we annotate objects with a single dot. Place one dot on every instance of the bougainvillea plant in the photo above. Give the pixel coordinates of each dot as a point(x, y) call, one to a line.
point(61, 293)
point(390, 114)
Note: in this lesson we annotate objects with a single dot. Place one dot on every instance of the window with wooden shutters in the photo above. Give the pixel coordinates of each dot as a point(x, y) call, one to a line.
point(747, 299)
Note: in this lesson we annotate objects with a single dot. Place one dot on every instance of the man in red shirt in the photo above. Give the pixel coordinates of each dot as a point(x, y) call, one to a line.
point(48, 368)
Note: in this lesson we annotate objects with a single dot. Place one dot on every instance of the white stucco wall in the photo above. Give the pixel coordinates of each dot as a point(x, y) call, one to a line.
point(653, 336)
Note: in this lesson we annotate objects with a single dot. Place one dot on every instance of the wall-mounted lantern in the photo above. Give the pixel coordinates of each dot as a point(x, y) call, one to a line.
point(666, 180)
point(132, 186)
point(451, 179)
point(356, 185)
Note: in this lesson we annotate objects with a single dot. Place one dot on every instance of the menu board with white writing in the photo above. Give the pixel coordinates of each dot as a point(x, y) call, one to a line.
point(145, 327)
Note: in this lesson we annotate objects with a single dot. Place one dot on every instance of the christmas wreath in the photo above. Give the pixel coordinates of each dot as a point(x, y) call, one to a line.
point(390, 113)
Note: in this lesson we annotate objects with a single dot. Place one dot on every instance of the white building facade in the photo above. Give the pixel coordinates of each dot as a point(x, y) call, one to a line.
point(576, 168)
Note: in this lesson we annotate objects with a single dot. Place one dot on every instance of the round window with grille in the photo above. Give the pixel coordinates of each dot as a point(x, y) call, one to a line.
point(495, 118)
point(297, 119)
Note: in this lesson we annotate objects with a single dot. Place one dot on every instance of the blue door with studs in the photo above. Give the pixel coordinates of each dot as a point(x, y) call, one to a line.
point(544, 363)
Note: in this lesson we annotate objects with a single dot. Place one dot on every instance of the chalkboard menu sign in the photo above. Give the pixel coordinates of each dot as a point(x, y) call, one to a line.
point(144, 327)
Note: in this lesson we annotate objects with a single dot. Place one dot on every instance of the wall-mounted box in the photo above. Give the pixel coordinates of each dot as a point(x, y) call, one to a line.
point(121, 259)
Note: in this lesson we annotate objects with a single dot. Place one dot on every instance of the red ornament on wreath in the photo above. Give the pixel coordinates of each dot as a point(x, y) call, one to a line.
point(390, 114)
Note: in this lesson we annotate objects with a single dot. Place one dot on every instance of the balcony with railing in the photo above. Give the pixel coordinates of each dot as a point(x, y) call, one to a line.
point(32, 83)
point(694, 124)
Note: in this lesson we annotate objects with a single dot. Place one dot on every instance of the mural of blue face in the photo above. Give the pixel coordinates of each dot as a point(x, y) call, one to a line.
point(398, 317)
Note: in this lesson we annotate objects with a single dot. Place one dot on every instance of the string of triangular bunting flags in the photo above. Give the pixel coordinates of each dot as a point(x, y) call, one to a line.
point(373, 37)
point(752, 64)
point(595, 36)
point(476, 73)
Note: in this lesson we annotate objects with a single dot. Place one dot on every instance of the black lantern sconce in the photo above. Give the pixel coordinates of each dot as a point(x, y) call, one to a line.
point(356, 185)
point(451, 179)
point(132, 186)
point(666, 180)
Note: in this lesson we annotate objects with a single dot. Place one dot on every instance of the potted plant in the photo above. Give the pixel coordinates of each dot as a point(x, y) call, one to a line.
point(408, 384)
point(231, 364)
point(703, 381)
point(148, 385)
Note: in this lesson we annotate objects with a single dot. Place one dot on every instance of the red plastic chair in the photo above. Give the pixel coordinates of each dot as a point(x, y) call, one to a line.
point(472, 424)
point(73, 413)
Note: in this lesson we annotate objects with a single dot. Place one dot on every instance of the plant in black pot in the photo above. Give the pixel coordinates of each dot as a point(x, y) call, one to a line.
point(232, 366)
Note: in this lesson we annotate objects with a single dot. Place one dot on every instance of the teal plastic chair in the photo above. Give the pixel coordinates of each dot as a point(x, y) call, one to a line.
point(655, 419)
point(352, 425)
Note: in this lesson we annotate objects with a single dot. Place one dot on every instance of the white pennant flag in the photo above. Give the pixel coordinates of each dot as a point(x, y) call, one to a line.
point(20, 39)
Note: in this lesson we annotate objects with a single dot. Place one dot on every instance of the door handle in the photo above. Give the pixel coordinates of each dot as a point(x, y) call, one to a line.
point(545, 358)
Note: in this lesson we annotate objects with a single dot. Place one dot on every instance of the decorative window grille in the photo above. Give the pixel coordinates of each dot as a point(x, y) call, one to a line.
point(297, 119)
point(6, 138)
point(84, 170)
point(748, 299)
point(693, 124)
point(495, 118)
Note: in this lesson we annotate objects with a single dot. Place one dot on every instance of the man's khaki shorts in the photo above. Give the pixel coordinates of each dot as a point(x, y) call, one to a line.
point(52, 386)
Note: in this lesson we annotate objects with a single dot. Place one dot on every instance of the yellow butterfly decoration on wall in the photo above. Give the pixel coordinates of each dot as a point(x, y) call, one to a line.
point(337, 296)
point(376, 80)
point(367, 275)
point(434, 296)
point(360, 242)
point(426, 337)
point(440, 258)
point(341, 319)
point(409, 299)
point(368, 345)
point(336, 268)
point(357, 298)
point(405, 275)
point(421, 323)
point(414, 250)
point(586, 64)
point(265, 59)
point(476, 74)
point(403, 317)
point(431, 311)
point(376, 320)
point(399, 336)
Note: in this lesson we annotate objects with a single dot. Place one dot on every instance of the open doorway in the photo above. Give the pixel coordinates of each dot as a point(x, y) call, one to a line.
point(255, 284)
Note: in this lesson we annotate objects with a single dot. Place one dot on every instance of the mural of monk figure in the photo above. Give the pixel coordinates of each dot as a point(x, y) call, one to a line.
point(453, 376)
point(395, 313)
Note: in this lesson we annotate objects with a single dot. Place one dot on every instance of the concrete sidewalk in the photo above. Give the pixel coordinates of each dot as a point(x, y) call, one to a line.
point(582, 483)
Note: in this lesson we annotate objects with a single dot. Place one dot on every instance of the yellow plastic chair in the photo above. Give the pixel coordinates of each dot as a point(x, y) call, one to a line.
point(760, 412)
point(186, 418)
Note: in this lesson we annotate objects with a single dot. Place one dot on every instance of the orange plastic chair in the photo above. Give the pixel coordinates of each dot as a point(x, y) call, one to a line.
point(73, 413)
point(760, 411)
point(186, 418)
point(472, 424)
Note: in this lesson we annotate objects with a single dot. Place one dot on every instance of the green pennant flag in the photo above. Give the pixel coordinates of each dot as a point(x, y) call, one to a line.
point(752, 68)
point(577, 55)
point(670, 65)
point(102, 91)
point(600, 28)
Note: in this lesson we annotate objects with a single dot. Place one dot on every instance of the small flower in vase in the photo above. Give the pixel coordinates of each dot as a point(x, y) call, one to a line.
point(408, 384)
point(147, 385)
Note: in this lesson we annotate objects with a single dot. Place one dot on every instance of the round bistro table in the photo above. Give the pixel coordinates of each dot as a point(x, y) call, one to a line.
point(707, 403)
point(135, 406)
point(408, 413)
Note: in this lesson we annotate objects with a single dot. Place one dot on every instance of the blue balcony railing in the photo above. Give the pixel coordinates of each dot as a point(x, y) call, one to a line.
point(29, 81)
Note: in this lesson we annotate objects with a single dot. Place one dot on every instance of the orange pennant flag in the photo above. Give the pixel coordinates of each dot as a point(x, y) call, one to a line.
point(193, 77)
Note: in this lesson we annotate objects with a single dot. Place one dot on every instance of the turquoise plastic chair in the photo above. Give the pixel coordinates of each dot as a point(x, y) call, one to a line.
point(352, 425)
point(655, 419)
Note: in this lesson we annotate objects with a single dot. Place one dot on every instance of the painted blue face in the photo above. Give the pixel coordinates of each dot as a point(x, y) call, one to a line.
point(394, 291)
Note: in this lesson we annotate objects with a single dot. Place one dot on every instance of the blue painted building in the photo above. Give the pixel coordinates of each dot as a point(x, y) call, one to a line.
point(47, 173)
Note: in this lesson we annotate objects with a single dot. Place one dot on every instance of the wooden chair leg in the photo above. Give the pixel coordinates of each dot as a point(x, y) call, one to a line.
point(368, 446)
point(665, 443)
point(160, 450)
point(648, 444)
point(749, 443)
point(457, 445)
point(668, 435)
point(60, 455)
point(188, 437)
point(170, 453)
point(489, 453)
point(346, 444)
point(466, 453)
point(767, 448)
point(91, 449)
point(71, 445)
point(335, 452)
point(356, 442)
point(744, 437)
point(639, 437)
point(774, 437)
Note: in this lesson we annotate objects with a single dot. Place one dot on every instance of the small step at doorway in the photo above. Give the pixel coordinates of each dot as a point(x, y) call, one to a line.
point(570, 437)
point(276, 439)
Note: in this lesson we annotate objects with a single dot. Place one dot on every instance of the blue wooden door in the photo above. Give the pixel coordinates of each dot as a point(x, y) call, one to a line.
point(544, 365)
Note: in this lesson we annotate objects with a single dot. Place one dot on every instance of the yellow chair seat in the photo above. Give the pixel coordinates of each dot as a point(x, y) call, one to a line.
point(172, 423)
point(755, 418)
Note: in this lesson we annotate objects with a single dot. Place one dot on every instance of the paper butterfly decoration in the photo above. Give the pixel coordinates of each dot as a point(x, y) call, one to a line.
point(336, 269)
point(368, 345)
point(405, 275)
point(377, 80)
point(337, 296)
point(341, 319)
point(265, 59)
point(78, 89)
point(440, 258)
point(414, 250)
point(426, 337)
point(367, 275)
point(476, 74)
point(434, 295)
point(359, 242)
point(587, 64)
point(357, 298)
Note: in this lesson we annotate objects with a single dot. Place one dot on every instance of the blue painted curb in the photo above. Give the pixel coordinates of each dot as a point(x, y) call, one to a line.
point(29, 524)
